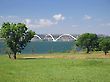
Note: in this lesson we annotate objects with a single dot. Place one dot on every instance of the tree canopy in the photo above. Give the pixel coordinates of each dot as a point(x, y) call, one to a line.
point(16, 36)
point(104, 44)
point(88, 41)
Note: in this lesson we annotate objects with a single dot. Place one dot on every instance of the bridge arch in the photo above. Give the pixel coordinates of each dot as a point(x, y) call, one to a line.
point(38, 37)
point(66, 35)
point(50, 35)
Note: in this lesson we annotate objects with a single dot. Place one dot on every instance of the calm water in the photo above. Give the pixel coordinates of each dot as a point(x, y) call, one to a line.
point(44, 47)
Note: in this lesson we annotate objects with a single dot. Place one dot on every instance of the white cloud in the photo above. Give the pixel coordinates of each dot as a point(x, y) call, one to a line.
point(28, 21)
point(33, 23)
point(87, 17)
point(38, 23)
point(14, 19)
point(58, 17)
point(9, 17)
point(12, 16)
point(45, 23)
point(1, 16)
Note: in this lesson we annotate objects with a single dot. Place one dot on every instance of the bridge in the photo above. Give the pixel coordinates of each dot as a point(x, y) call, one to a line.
point(54, 38)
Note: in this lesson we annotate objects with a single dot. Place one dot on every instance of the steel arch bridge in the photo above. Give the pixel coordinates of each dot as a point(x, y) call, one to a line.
point(50, 37)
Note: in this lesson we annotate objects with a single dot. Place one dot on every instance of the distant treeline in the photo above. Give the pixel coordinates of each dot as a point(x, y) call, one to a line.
point(94, 42)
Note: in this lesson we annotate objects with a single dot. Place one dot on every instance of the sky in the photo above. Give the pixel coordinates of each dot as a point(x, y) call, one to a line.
point(58, 16)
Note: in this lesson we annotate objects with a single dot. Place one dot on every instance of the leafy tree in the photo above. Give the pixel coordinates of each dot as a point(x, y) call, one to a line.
point(16, 36)
point(88, 41)
point(104, 44)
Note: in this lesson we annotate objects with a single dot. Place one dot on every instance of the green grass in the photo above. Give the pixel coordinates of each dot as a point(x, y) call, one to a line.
point(54, 70)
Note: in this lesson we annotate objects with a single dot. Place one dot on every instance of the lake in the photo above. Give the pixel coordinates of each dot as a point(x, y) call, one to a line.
point(44, 47)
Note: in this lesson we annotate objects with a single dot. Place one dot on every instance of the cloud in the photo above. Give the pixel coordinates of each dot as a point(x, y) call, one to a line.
point(11, 19)
point(87, 17)
point(58, 17)
point(38, 23)
point(33, 22)
point(28, 21)
point(14, 19)
point(1, 16)
point(8, 17)
point(45, 23)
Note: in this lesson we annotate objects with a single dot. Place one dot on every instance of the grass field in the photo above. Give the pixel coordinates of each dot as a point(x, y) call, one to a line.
point(54, 68)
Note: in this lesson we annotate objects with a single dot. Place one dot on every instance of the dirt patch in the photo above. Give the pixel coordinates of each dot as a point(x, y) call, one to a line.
point(87, 56)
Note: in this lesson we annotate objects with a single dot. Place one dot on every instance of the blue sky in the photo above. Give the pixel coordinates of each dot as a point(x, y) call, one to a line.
point(58, 16)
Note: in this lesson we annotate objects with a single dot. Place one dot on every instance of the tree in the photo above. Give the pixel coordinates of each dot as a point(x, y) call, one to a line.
point(16, 36)
point(104, 44)
point(88, 41)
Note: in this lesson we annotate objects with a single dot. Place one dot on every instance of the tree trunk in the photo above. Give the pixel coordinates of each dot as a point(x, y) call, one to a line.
point(88, 50)
point(105, 53)
point(9, 56)
point(14, 56)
